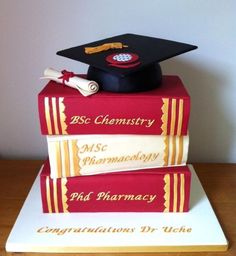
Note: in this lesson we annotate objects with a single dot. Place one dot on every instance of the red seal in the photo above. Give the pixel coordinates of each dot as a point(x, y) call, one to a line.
point(123, 60)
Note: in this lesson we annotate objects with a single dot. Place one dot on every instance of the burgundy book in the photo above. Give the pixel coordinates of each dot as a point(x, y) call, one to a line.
point(162, 111)
point(154, 190)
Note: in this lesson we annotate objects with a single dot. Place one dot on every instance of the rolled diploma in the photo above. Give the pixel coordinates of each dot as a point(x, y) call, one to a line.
point(86, 87)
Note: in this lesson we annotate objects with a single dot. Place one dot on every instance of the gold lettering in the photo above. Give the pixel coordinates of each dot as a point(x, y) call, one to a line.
point(101, 195)
point(107, 196)
point(98, 229)
point(63, 231)
point(106, 120)
point(73, 196)
point(80, 120)
point(181, 229)
point(152, 198)
point(150, 122)
point(98, 119)
point(56, 231)
point(42, 230)
point(80, 196)
point(93, 160)
point(99, 147)
point(147, 229)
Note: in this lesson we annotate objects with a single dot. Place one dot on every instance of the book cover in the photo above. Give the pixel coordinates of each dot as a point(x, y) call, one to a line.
point(162, 111)
point(155, 190)
point(74, 155)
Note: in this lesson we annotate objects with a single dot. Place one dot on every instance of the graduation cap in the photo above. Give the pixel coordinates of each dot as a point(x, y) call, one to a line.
point(128, 62)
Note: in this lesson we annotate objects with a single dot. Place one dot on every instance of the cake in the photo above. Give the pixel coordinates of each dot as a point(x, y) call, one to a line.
point(123, 147)
point(117, 151)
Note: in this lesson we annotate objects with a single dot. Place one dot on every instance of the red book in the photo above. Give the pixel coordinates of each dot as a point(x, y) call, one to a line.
point(154, 190)
point(162, 111)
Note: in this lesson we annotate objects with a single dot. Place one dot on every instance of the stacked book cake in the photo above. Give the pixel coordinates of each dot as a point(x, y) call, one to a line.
point(117, 152)
point(124, 148)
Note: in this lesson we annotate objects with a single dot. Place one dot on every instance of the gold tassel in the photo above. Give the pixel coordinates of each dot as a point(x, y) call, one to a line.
point(104, 47)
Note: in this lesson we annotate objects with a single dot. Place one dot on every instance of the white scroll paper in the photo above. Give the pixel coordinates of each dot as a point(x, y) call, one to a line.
point(86, 87)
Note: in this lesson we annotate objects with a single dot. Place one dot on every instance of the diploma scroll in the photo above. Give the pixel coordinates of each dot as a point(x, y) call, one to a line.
point(86, 87)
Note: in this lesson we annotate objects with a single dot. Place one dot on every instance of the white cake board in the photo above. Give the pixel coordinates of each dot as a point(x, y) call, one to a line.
point(197, 230)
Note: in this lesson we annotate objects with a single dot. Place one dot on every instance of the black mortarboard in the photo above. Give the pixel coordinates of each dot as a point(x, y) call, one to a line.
point(128, 62)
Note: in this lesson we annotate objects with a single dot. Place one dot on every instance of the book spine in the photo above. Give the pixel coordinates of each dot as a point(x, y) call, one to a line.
point(93, 154)
point(153, 192)
point(153, 116)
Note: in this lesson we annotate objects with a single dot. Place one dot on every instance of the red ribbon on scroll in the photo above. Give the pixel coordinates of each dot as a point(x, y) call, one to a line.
point(66, 75)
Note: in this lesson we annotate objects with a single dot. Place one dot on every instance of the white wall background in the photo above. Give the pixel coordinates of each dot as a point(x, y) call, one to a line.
point(32, 31)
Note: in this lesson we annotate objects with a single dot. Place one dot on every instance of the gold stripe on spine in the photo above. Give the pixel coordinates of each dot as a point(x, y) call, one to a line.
point(54, 112)
point(63, 195)
point(61, 155)
point(62, 116)
point(76, 159)
point(58, 159)
point(175, 196)
point(173, 150)
point(180, 150)
point(166, 150)
point(66, 158)
point(55, 198)
point(164, 117)
point(182, 192)
point(49, 203)
point(47, 115)
point(173, 117)
point(71, 158)
point(167, 193)
point(180, 117)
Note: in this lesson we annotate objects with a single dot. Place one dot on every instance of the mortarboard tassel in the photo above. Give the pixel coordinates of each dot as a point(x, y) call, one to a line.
point(104, 47)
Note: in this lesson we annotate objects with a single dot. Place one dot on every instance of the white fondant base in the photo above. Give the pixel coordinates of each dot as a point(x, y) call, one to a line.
point(197, 230)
